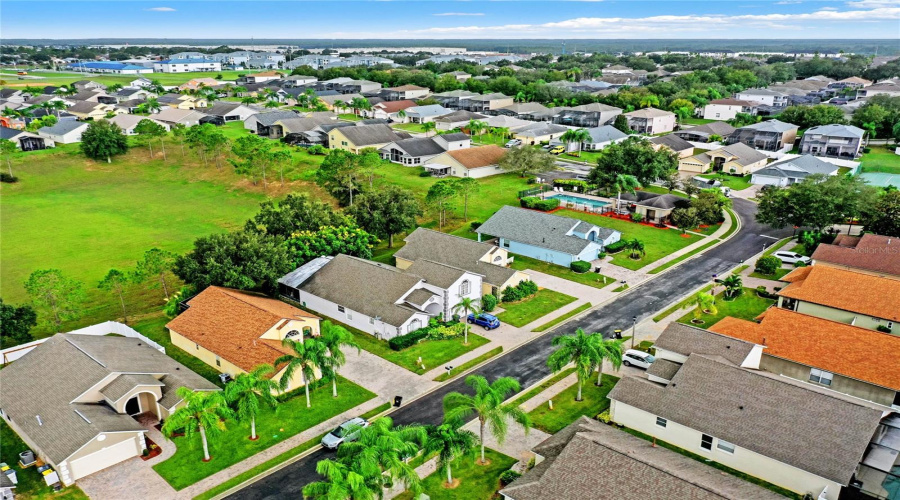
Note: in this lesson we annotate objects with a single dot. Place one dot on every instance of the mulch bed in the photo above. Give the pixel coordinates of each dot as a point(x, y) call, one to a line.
point(155, 450)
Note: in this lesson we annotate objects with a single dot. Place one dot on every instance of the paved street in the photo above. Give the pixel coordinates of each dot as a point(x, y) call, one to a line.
point(527, 363)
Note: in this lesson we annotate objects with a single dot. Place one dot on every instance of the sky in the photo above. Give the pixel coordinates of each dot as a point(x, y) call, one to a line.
point(452, 19)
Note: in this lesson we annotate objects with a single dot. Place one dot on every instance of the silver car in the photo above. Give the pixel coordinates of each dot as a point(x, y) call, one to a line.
point(346, 432)
point(791, 257)
point(640, 359)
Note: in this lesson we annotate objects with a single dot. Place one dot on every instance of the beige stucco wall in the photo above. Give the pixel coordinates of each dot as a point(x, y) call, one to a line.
point(691, 165)
point(742, 459)
point(839, 383)
point(402, 263)
point(336, 138)
point(152, 391)
point(275, 333)
point(839, 315)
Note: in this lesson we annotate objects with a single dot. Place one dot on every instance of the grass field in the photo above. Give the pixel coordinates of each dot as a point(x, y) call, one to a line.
point(476, 482)
point(55, 78)
point(735, 182)
point(292, 417)
point(747, 306)
point(544, 302)
point(410, 127)
point(567, 410)
point(589, 278)
point(881, 159)
point(31, 484)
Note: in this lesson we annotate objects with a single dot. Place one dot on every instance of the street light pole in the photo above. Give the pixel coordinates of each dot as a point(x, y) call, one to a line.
point(633, 327)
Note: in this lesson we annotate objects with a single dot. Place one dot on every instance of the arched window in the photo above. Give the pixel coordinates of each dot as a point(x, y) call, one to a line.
point(291, 334)
point(465, 288)
point(498, 258)
point(307, 331)
point(415, 325)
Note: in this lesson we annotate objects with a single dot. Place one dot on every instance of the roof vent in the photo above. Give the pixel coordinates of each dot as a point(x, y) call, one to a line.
point(82, 416)
point(728, 347)
point(741, 407)
point(177, 367)
point(38, 417)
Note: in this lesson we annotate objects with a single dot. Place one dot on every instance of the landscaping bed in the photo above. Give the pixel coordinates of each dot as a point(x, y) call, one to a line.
point(748, 305)
point(525, 311)
point(476, 482)
point(566, 410)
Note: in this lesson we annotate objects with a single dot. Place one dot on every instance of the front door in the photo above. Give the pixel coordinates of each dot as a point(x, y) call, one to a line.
point(132, 407)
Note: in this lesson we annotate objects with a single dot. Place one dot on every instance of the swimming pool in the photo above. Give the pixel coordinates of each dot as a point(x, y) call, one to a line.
point(567, 198)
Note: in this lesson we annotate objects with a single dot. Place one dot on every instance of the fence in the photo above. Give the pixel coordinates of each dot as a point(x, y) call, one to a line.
point(13, 353)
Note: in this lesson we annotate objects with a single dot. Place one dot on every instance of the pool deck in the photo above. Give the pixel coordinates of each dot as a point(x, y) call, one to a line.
point(605, 201)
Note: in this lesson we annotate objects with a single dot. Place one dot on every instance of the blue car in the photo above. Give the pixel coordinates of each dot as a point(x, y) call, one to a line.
point(489, 322)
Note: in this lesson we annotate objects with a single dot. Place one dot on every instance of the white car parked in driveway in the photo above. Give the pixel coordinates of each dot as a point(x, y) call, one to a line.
point(792, 257)
point(640, 359)
point(348, 431)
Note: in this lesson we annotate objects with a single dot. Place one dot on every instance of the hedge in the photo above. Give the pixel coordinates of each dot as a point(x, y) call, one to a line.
point(489, 302)
point(509, 476)
point(536, 203)
point(768, 264)
point(521, 291)
point(580, 266)
point(615, 247)
point(401, 342)
point(568, 184)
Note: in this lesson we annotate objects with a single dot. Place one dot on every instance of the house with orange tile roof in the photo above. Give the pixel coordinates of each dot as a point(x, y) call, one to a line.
point(390, 110)
point(870, 254)
point(235, 331)
point(845, 296)
point(470, 162)
point(841, 357)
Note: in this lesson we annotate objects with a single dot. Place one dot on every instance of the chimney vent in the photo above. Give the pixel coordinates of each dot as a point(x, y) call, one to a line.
point(38, 417)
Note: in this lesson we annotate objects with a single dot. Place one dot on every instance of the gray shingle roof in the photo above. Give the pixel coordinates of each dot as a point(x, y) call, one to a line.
point(663, 368)
point(713, 128)
point(123, 384)
point(460, 116)
point(686, 340)
point(541, 129)
point(742, 153)
point(427, 111)
point(605, 133)
point(771, 126)
point(590, 460)
point(455, 137)
point(270, 117)
point(426, 244)
point(434, 273)
point(419, 297)
point(364, 135)
point(63, 127)
point(84, 106)
point(672, 142)
point(798, 168)
point(535, 228)
point(418, 146)
point(224, 108)
point(835, 130)
point(526, 107)
point(786, 421)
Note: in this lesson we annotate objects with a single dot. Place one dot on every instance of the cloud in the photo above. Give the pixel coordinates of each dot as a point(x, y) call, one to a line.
point(873, 4)
point(161, 9)
point(788, 2)
point(459, 14)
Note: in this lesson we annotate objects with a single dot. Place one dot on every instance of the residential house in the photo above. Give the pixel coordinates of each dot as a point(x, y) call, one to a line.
point(547, 237)
point(231, 111)
point(771, 135)
point(888, 88)
point(651, 121)
point(64, 131)
point(196, 83)
point(235, 331)
point(653, 207)
point(737, 158)
point(833, 141)
point(460, 76)
point(389, 110)
point(475, 162)
point(92, 95)
point(109, 67)
point(263, 123)
point(128, 122)
point(425, 114)
point(814, 350)
point(868, 254)
point(139, 83)
point(72, 399)
point(356, 138)
point(453, 99)
point(853, 82)
point(186, 65)
point(303, 130)
point(538, 133)
point(182, 101)
point(415, 151)
point(172, 117)
point(489, 261)
point(845, 296)
point(88, 85)
point(706, 132)
point(14, 96)
point(673, 143)
point(403, 301)
point(130, 94)
point(457, 119)
point(589, 457)
point(789, 171)
point(357, 87)
point(617, 69)
point(602, 137)
point(786, 432)
point(456, 140)
point(26, 141)
point(532, 111)
point(510, 123)
point(485, 103)
point(85, 110)
point(261, 77)
point(586, 115)
point(727, 109)
point(299, 80)
point(405, 92)
point(765, 97)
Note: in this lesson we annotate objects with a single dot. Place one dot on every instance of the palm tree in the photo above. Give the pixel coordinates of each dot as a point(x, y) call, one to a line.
point(579, 136)
point(637, 248)
point(248, 391)
point(624, 182)
point(271, 104)
point(204, 411)
point(381, 451)
point(338, 104)
point(153, 105)
point(335, 337)
point(476, 127)
point(706, 303)
point(248, 100)
point(467, 305)
point(501, 132)
point(57, 106)
point(732, 285)
point(401, 114)
point(578, 348)
point(307, 356)
point(487, 405)
point(342, 481)
point(428, 127)
point(449, 442)
point(610, 349)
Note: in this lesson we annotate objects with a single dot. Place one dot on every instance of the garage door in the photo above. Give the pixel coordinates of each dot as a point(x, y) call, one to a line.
point(102, 459)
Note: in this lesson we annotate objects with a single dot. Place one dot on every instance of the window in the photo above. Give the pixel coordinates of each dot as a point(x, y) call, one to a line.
point(820, 376)
point(371, 321)
point(218, 361)
point(291, 334)
point(197, 346)
point(706, 442)
point(661, 421)
point(725, 446)
point(465, 288)
point(506, 243)
point(340, 308)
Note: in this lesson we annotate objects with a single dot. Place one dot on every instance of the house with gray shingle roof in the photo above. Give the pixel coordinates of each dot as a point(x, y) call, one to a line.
point(414, 151)
point(537, 133)
point(833, 141)
point(72, 398)
point(424, 114)
point(547, 237)
point(792, 170)
point(263, 124)
point(380, 299)
point(64, 131)
point(771, 135)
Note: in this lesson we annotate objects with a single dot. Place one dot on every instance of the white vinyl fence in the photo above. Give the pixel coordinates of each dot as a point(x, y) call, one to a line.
point(100, 329)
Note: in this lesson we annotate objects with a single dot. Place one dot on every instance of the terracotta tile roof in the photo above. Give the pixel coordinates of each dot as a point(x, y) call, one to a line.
point(880, 254)
point(229, 323)
point(846, 290)
point(482, 156)
point(828, 345)
point(395, 106)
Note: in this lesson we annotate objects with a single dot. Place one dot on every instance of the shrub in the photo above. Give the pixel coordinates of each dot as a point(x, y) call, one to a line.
point(425, 173)
point(762, 292)
point(317, 149)
point(511, 294)
point(401, 342)
point(799, 263)
point(527, 288)
point(637, 217)
point(6, 177)
point(509, 476)
point(442, 332)
point(570, 184)
point(521, 291)
point(604, 417)
point(474, 225)
point(867, 150)
point(489, 302)
point(883, 329)
point(616, 247)
point(531, 180)
point(536, 203)
point(768, 264)
point(580, 266)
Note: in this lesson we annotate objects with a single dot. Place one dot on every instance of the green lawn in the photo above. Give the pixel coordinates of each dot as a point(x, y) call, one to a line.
point(544, 302)
point(747, 306)
point(54, 78)
point(696, 121)
point(880, 159)
point(409, 127)
point(559, 319)
point(682, 258)
point(476, 482)
point(661, 190)
point(186, 466)
point(589, 278)
point(777, 276)
point(468, 364)
point(658, 242)
point(735, 182)
point(154, 327)
point(31, 484)
point(534, 391)
point(350, 117)
point(566, 410)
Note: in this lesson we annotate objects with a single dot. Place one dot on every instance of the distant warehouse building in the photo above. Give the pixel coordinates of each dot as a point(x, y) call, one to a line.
point(117, 68)
point(186, 65)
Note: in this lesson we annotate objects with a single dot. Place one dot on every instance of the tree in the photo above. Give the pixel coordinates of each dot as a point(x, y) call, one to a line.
point(623, 182)
point(343, 481)
point(7, 149)
point(733, 285)
point(335, 338)
point(242, 260)
point(487, 405)
point(254, 155)
point(633, 156)
point(60, 296)
point(102, 140)
point(116, 281)
point(636, 247)
point(709, 205)
point(449, 442)
point(816, 202)
point(612, 350)
point(579, 136)
point(884, 216)
point(387, 211)
point(742, 120)
point(671, 180)
point(308, 355)
point(706, 303)
point(428, 127)
point(348, 239)
point(690, 188)
point(339, 174)
point(685, 218)
point(156, 264)
point(440, 195)
point(621, 124)
point(294, 213)
point(16, 323)
point(812, 116)
point(527, 160)
point(579, 349)
point(149, 130)
point(179, 133)
point(465, 187)
point(476, 127)
point(248, 392)
point(207, 140)
point(203, 411)
point(466, 306)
